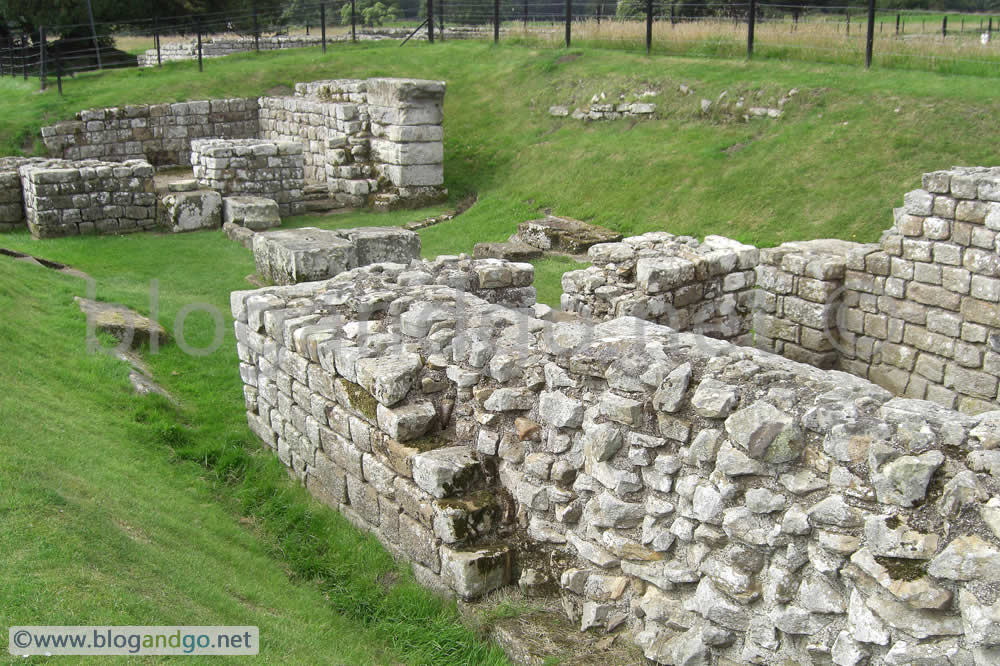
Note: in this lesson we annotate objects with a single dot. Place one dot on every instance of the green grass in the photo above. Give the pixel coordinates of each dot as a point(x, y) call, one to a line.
point(124, 510)
point(834, 165)
point(128, 511)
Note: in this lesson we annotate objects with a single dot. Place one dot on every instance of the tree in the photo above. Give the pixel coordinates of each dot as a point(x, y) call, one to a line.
point(369, 12)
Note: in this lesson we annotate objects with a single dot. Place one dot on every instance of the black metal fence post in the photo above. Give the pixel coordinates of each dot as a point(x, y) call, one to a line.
point(897, 24)
point(440, 13)
point(256, 33)
point(430, 21)
point(848, 14)
point(322, 24)
point(156, 40)
point(59, 73)
point(354, 20)
point(870, 40)
point(525, 12)
point(944, 27)
point(41, 71)
point(649, 25)
point(569, 22)
point(496, 21)
point(24, 55)
point(197, 27)
point(751, 19)
point(989, 30)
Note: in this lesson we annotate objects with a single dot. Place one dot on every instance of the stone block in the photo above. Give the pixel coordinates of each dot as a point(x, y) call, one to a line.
point(191, 211)
point(256, 213)
point(302, 255)
point(473, 573)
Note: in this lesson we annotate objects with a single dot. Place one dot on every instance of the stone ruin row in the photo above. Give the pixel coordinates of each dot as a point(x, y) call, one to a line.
point(335, 143)
point(917, 313)
point(217, 47)
point(718, 503)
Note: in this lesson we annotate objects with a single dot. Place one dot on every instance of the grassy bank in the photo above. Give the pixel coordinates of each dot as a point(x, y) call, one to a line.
point(847, 147)
point(130, 511)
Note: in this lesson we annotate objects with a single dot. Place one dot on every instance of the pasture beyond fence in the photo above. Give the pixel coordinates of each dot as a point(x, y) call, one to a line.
point(849, 34)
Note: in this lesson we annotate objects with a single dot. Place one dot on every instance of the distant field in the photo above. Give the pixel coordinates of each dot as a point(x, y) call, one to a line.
point(105, 496)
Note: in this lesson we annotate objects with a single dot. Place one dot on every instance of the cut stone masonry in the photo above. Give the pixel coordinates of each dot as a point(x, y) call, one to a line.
point(374, 142)
point(718, 503)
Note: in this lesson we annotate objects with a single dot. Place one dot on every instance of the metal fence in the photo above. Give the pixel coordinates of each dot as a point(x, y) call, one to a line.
point(847, 34)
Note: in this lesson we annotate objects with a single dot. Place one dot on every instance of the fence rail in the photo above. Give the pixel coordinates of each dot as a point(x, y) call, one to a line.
point(848, 33)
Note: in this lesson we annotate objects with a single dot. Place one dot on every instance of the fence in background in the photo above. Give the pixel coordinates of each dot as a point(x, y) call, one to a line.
point(848, 34)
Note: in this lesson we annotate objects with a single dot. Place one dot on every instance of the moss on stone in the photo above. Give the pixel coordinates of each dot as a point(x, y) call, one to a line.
point(900, 568)
point(360, 399)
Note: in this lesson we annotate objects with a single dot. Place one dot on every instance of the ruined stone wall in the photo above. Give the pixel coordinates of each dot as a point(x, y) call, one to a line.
point(799, 295)
point(159, 133)
point(66, 198)
point(917, 313)
point(374, 141)
point(12, 215)
point(219, 47)
point(722, 504)
point(330, 119)
point(377, 137)
point(672, 280)
point(271, 169)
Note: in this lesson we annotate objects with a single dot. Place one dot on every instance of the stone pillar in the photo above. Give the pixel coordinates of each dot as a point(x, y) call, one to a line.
point(407, 147)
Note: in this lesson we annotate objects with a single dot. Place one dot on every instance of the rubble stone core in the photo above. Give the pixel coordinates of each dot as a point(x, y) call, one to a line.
point(721, 503)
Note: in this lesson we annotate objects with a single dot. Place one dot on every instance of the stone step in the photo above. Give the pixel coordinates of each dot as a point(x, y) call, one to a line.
point(316, 188)
point(320, 205)
point(466, 519)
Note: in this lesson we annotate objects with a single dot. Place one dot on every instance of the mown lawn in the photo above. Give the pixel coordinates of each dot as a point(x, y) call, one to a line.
point(123, 510)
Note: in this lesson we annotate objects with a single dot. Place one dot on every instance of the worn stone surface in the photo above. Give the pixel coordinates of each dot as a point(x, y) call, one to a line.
point(256, 213)
point(807, 516)
point(191, 211)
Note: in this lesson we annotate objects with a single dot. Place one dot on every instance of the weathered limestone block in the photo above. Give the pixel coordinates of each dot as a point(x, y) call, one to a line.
point(256, 213)
point(191, 211)
point(473, 573)
point(127, 326)
point(302, 255)
point(446, 471)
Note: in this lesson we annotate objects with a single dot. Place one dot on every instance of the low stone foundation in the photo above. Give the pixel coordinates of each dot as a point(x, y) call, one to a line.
point(65, 198)
point(271, 169)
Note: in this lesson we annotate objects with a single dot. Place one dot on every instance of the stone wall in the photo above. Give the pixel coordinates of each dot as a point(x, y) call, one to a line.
point(800, 292)
point(330, 119)
point(12, 215)
point(672, 280)
point(368, 142)
point(917, 313)
point(159, 133)
point(271, 169)
point(378, 138)
point(215, 47)
point(68, 198)
point(721, 504)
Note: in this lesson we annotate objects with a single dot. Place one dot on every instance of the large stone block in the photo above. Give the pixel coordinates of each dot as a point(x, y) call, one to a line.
point(302, 255)
point(473, 573)
point(256, 213)
point(191, 211)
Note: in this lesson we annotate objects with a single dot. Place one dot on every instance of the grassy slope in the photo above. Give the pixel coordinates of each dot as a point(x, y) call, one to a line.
point(833, 166)
point(100, 526)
